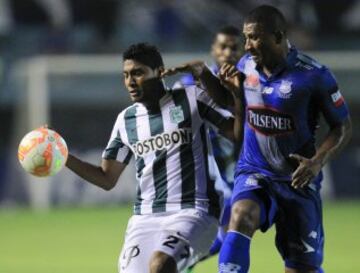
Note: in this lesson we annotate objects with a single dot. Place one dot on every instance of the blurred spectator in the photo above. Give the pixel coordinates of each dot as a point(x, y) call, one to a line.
point(329, 15)
point(168, 25)
point(53, 15)
point(101, 15)
point(6, 21)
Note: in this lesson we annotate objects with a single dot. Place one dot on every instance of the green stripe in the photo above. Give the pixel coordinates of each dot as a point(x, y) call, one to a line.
point(112, 150)
point(214, 200)
point(188, 187)
point(159, 167)
point(131, 131)
point(206, 112)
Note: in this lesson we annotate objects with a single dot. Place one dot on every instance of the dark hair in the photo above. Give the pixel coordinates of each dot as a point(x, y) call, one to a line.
point(229, 30)
point(271, 19)
point(144, 53)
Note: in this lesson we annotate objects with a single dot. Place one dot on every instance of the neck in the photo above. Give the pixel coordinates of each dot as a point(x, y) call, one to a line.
point(278, 60)
point(155, 90)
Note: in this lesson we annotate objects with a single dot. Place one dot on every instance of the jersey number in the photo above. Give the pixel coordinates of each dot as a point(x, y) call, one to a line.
point(171, 241)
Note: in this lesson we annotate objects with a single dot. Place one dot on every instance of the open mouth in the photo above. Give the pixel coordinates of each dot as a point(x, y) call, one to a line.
point(134, 92)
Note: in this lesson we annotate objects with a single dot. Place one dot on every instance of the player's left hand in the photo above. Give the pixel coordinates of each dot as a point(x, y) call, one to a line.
point(194, 67)
point(307, 170)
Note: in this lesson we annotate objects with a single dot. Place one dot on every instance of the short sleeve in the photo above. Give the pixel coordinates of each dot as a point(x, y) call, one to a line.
point(329, 97)
point(209, 110)
point(116, 149)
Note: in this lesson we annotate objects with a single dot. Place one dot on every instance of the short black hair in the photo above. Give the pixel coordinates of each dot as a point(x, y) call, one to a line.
point(144, 53)
point(271, 18)
point(229, 30)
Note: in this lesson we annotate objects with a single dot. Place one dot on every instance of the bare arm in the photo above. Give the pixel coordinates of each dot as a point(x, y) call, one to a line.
point(334, 142)
point(104, 176)
point(226, 129)
point(212, 84)
point(232, 79)
point(215, 89)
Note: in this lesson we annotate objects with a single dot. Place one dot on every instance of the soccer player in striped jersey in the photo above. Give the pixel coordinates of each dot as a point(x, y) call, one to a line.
point(177, 206)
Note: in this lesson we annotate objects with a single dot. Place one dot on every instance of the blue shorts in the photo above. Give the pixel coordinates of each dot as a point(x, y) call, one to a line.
point(297, 215)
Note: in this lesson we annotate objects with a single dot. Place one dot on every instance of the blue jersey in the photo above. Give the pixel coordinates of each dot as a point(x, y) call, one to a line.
point(282, 113)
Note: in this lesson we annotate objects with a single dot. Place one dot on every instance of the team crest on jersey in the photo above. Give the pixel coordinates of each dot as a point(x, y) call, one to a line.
point(285, 89)
point(176, 114)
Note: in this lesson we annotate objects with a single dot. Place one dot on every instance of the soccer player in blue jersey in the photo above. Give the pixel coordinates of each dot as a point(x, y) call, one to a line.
point(278, 175)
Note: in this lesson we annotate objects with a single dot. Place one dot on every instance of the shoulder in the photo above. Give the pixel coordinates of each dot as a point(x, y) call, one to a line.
point(128, 112)
point(189, 91)
point(317, 71)
point(244, 61)
point(305, 62)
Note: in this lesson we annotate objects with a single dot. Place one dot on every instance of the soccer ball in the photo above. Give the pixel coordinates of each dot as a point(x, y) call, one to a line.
point(42, 152)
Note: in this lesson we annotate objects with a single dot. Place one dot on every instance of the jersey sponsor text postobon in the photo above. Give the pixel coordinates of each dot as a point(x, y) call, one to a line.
point(162, 141)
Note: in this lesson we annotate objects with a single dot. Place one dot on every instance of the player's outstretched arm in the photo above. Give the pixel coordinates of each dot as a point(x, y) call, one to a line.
point(334, 142)
point(211, 83)
point(104, 176)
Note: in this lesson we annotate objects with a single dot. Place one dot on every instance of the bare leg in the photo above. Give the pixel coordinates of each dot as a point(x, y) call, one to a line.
point(162, 263)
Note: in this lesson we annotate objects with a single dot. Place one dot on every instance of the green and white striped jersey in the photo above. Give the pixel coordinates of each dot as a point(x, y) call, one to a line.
point(171, 150)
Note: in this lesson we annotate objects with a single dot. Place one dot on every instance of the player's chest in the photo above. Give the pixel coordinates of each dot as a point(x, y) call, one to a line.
point(156, 131)
point(284, 94)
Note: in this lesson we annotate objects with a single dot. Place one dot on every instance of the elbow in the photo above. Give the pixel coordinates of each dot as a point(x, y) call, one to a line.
point(108, 186)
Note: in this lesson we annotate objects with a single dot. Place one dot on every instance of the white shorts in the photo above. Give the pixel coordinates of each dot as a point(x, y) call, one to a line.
point(185, 235)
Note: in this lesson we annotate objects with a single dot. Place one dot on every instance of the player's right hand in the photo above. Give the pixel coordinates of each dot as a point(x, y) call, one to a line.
point(196, 68)
point(231, 78)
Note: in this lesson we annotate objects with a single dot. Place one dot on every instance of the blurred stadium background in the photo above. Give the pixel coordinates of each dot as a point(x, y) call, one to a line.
point(60, 64)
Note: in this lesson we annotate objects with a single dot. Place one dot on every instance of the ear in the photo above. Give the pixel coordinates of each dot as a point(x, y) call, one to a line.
point(159, 70)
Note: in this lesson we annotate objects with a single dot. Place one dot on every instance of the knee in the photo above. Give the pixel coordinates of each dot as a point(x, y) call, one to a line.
point(162, 263)
point(245, 217)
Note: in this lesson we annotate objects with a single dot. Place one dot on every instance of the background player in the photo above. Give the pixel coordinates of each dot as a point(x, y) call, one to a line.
point(177, 205)
point(226, 48)
point(277, 179)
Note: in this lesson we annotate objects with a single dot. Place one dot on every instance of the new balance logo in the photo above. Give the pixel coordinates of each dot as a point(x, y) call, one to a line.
point(229, 268)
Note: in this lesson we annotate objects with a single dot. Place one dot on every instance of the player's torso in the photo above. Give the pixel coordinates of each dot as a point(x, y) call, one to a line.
point(169, 151)
point(280, 118)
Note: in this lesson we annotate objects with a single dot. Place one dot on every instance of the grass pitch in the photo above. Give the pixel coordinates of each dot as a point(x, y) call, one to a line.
point(89, 240)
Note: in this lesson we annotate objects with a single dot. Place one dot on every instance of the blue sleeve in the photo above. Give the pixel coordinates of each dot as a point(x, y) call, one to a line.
point(187, 80)
point(328, 95)
point(241, 63)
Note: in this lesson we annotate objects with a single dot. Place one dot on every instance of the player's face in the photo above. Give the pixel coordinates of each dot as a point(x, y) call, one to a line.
point(226, 49)
point(135, 74)
point(260, 44)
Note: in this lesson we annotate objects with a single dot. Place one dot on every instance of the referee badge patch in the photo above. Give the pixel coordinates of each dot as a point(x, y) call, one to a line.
point(176, 114)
